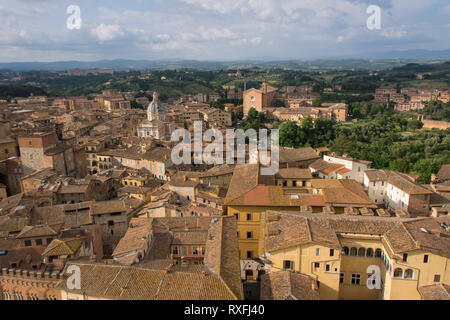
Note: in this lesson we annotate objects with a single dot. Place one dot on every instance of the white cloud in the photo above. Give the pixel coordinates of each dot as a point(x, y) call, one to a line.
point(256, 40)
point(105, 32)
point(393, 33)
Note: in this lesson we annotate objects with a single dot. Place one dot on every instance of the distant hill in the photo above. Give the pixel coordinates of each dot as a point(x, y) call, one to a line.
point(377, 61)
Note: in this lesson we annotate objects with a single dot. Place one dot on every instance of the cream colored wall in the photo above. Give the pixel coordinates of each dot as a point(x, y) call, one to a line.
point(304, 257)
point(254, 226)
point(356, 264)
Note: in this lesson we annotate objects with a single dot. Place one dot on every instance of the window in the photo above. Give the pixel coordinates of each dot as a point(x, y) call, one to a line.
point(437, 278)
point(184, 251)
point(18, 296)
point(6, 296)
point(409, 274)
point(249, 217)
point(195, 251)
point(39, 242)
point(288, 265)
point(342, 277)
point(316, 265)
point(378, 253)
point(398, 273)
point(249, 235)
point(425, 258)
point(353, 251)
point(49, 240)
point(331, 252)
point(175, 250)
point(317, 252)
point(405, 257)
point(362, 252)
point(249, 273)
point(369, 252)
point(249, 254)
point(327, 268)
point(356, 278)
point(236, 215)
point(27, 243)
point(345, 251)
point(110, 223)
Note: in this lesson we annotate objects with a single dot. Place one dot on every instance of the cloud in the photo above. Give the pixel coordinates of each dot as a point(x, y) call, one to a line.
point(230, 29)
point(393, 33)
point(105, 32)
point(256, 40)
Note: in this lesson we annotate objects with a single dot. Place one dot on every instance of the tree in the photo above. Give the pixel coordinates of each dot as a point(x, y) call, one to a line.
point(317, 102)
point(252, 114)
point(426, 167)
point(291, 135)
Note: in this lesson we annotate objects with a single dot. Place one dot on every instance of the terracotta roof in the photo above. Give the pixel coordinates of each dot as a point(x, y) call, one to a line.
point(134, 239)
point(39, 231)
point(294, 173)
point(262, 195)
point(245, 178)
point(292, 230)
point(133, 283)
point(345, 193)
point(376, 175)
point(286, 285)
point(222, 254)
point(25, 258)
point(439, 291)
point(405, 184)
point(63, 247)
point(444, 173)
point(402, 234)
point(190, 237)
point(70, 215)
point(294, 155)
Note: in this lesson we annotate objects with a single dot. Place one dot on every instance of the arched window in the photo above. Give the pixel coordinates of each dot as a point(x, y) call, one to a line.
point(353, 251)
point(369, 252)
point(6, 296)
point(398, 273)
point(409, 274)
point(18, 296)
point(378, 253)
point(362, 252)
point(345, 251)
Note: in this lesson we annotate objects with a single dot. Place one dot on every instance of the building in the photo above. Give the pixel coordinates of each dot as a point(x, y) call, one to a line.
point(42, 150)
point(156, 126)
point(352, 168)
point(408, 106)
point(259, 99)
point(8, 148)
point(167, 259)
point(337, 251)
point(397, 191)
point(288, 285)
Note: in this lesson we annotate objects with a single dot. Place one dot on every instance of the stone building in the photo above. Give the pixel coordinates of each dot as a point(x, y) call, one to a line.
point(156, 125)
point(259, 99)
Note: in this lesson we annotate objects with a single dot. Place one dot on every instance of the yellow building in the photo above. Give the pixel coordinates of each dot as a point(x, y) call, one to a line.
point(138, 185)
point(8, 148)
point(341, 252)
point(247, 199)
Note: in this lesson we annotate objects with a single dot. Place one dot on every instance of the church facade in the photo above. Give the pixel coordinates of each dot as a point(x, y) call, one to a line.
point(156, 125)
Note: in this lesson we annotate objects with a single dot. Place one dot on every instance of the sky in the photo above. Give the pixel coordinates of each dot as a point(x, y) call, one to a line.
point(36, 30)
